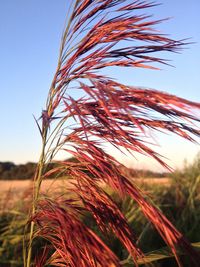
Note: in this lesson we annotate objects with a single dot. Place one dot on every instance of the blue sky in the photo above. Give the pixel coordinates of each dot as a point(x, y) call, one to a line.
point(30, 34)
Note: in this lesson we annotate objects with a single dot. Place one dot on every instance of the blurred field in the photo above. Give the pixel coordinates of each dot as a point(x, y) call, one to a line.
point(11, 191)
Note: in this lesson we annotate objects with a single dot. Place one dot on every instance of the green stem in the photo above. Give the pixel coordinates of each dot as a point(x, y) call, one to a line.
point(36, 191)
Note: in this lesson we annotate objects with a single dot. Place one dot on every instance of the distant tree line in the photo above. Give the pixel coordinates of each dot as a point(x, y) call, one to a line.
point(144, 173)
point(11, 171)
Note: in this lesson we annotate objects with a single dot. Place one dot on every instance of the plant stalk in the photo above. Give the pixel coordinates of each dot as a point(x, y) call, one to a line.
point(41, 163)
point(36, 191)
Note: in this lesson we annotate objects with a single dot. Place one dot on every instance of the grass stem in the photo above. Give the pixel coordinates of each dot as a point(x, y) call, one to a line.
point(36, 192)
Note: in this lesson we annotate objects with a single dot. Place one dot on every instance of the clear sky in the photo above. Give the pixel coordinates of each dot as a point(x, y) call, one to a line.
point(30, 34)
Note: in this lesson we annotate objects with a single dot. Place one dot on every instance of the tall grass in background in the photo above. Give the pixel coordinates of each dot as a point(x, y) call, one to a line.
point(85, 110)
point(186, 185)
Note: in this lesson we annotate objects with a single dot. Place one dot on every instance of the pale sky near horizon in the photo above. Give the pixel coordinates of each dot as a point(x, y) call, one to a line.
point(30, 33)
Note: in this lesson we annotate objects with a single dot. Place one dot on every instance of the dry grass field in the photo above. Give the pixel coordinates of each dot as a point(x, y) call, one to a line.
point(12, 191)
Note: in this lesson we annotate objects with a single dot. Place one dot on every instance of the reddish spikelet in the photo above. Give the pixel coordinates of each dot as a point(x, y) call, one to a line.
point(96, 49)
point(137, 5)
point(74, 243)
point(110, 173)
point(118, 115)
point(41, 259)
point(105, 212)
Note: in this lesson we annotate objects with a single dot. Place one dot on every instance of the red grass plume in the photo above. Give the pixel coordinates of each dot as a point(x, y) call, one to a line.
point(86, 109)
